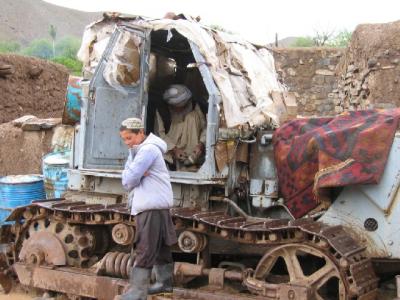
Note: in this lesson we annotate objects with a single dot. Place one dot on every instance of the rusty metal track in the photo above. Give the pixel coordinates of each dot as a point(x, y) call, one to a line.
point(355, 268)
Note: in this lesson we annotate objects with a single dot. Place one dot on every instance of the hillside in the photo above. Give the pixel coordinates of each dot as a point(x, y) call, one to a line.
point(25, 20)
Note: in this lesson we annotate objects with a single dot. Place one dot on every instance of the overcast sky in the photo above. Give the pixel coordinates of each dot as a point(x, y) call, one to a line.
point(259, 20)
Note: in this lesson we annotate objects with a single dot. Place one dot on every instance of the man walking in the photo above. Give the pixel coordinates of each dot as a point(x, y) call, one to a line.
point(147, 180)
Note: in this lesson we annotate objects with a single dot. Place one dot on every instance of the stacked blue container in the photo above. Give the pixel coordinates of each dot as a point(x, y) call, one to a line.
point(19, 190)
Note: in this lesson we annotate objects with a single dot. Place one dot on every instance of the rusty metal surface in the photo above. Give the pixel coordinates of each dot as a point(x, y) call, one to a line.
point(5, 278)
point(298, 284)
point(73, 99)
point(216, 277)
point(43, 247)
point(70, 281)
point(180, 293)
point(116, 264)
point(192, 242)
point(123, 234)
point(355, 269)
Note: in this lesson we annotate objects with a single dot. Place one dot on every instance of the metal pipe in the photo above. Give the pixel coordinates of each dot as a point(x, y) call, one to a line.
point(232, 204)
point(188, 269)
point(237, 208)
point(398, 287)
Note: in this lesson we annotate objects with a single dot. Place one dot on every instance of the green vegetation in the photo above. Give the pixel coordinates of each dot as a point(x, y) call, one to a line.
point(303, 42)
point(73, 65)
point(341, 40)
point(324, 39)
point(9, 47)
point(68, 47)
point(62, 51)
point(39, 48)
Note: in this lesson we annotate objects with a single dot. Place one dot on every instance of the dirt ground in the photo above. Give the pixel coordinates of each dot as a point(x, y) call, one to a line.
point(16, 296)
point(35, 87)
point(21, 151)
point(383, 295)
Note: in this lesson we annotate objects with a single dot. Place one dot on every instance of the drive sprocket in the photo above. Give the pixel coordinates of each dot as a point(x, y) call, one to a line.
point(78, 241)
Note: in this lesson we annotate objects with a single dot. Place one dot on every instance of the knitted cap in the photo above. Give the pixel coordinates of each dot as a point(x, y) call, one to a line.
point(132, 123)
point(177, 95)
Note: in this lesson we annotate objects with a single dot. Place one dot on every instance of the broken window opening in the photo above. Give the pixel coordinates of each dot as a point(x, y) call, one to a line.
point(123, 67)
point(182, 127)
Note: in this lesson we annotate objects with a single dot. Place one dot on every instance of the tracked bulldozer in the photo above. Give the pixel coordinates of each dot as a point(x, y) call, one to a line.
point(278, 208)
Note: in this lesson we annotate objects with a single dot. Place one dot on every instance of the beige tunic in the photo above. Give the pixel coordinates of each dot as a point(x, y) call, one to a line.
point(186, 131)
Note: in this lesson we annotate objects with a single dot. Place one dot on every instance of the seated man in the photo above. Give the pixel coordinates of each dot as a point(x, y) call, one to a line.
point(186, 136)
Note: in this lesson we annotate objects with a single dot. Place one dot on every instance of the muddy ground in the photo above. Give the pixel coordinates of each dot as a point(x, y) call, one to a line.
point(384, 294)
point(35, 87)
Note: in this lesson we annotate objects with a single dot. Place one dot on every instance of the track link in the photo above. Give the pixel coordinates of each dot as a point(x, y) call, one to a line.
point(344, 252)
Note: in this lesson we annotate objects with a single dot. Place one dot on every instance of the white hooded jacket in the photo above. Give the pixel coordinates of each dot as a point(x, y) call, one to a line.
point(153, 191)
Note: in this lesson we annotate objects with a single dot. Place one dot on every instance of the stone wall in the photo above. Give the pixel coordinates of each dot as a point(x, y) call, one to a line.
point(370, 69)
point(311, 74)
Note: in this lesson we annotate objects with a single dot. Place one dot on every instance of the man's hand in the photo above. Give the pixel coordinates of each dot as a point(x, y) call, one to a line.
point(179, 154)
point(199, 149)
point(147, 173)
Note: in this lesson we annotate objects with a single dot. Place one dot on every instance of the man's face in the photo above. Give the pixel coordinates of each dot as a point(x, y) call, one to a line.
point(131, 139)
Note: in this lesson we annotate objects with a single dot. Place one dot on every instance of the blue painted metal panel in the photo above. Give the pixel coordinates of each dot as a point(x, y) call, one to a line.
point(73, 101)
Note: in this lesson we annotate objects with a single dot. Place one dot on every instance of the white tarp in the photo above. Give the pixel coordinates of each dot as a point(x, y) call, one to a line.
point(244, 75)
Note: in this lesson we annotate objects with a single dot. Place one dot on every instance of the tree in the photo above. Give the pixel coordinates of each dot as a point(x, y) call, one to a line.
point(53, 35)
point(321, 37)
point(324, 39)
point(40, 48)
point(68, 47)
point(341, 40)
point(9, 47)
point(303, 42)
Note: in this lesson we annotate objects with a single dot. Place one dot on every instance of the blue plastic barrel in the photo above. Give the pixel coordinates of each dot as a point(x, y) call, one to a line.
point(19, 190)
point(55, 172)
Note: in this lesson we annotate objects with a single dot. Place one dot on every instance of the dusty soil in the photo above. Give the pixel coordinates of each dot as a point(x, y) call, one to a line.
point(383, 295)
point(16, 296)
point(21, 151)
point(37, 87)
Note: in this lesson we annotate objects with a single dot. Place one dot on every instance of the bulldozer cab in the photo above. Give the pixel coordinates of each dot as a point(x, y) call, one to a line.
point(113, 98)
point(136, 68)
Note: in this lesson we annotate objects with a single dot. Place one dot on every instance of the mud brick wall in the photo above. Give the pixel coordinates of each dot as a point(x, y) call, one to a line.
point(311, 74)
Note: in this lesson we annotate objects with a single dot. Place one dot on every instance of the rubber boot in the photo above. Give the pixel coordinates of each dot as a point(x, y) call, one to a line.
point(163, 282)
point(139, 284)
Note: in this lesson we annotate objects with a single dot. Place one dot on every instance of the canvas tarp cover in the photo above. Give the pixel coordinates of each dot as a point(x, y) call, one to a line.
point(245, 75)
